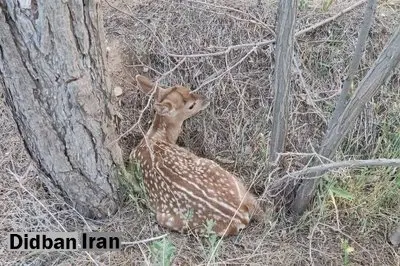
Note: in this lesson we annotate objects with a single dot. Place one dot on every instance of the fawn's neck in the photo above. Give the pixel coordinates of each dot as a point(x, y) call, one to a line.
point(165, 129)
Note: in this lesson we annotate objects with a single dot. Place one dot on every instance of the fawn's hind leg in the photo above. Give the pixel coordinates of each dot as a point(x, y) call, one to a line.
point(173, 222)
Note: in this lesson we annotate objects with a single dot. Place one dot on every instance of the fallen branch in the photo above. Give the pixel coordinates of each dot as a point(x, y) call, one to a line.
point(343, 164)
point(228, 70)
point(228, 49)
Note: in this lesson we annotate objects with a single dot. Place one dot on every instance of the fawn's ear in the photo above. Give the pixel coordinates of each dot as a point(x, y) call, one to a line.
point(164, 109)
point(145, 84)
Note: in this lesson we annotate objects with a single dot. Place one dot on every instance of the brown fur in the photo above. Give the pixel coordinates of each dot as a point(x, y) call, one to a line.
point(185, 190)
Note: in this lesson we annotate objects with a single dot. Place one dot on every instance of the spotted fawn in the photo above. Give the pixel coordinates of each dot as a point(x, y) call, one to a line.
point(185, 191)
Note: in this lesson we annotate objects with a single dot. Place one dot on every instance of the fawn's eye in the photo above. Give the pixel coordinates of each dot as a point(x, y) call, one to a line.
point(192, 105)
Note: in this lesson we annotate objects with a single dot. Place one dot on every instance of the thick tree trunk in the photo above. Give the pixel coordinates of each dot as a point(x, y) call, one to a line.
point(52, 69)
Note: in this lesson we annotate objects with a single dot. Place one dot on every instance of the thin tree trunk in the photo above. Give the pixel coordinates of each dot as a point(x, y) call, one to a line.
point(367, 88)
point(355, 62)
point(52, 67)
point(283, 55)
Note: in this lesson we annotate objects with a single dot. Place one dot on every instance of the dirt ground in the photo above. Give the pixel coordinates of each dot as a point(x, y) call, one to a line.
point(354, 211)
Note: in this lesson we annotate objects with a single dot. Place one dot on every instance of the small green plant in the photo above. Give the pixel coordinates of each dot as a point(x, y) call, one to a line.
point(213, 243)
point(303, 4)
point(162, 252)
point(326, 5)
point(397, 181)
point(347, 249)
point(131, 181)
point(263, 146)
point(340, 192)
point(187, 217)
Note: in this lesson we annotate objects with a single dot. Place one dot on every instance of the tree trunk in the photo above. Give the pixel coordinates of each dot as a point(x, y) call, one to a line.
point(369, 16)
point(283, 56)
point(52, 69)
point(367, 88)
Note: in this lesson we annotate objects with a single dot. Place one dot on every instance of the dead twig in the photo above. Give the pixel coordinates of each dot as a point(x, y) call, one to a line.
point(254, 19)
point(130, 244)
point(141, 22)
point(228, 70)
point(267, 42)
point(330, 19)
point(228, 49)
point(343, 164)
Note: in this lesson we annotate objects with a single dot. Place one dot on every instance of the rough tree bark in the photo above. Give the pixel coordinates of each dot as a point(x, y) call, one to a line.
point(52, 67)
point(367, 88)
point(283, 55)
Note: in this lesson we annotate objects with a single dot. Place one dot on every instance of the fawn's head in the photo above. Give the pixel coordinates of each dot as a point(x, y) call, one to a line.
point(175, 103)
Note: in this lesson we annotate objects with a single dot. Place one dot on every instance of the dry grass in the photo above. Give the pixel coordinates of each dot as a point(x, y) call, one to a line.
point(354, 207)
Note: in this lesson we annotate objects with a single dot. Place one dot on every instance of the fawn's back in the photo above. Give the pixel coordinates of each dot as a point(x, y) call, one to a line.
point(187, 192)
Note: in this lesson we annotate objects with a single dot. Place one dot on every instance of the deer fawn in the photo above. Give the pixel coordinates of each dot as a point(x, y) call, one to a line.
point(184, 190)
